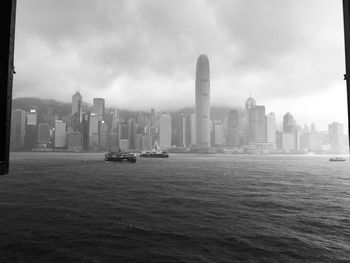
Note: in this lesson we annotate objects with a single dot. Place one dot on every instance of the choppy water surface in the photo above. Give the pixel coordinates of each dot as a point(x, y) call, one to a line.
point(188, 208)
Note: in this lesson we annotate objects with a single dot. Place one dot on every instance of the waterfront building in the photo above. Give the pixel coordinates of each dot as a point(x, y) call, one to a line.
point(94, 131)
point(103, 133)
point(124, 144)
point(60, 133)
point(98, 108)
point(288, 142)
point(203, 102)
point(31, 130)
point(148, 140)
point(114, 135)
point(219, 140)
point(85, 125)
point(178, 125)
point(271, 128)
point(77, 110)
point(193, 130)
point(139, 142)
point(17, 130)
point(165, 131)
point(132, 133)
point(32, 118)
point(308, 141)
point(259, 123)
point(232, 138)
point(249, 122)
point(335, 132)
point(74, 141)
point(289, 124)
point(153, 117)
point(43, 134)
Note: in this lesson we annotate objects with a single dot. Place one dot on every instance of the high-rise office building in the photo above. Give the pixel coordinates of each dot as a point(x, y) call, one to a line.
point(114, 135)
point(288, 141)
point(18, 119)
point(153, 117)
point(271, 127)
point(132, 133)
point(43, 133)
point(308, 141)
point(103, 135)
point(218, 134)
point(124, 129)
point(249, 122)
point(32, 118)
point(232, 138)
point(260, 124)
point(98, 108)
point(94, 131)
point(178, 124)
point(335, 132)
point(203, 102)
point(74, 141)
point(289, 124)
point(255, 122)
point(77, 106)
point(60, 133)
point(31, 133)
point(193, 129)
point(165, 131)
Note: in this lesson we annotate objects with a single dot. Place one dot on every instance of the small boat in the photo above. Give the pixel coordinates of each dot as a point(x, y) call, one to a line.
point(155, 154)
point(337, 159)
point(120, 157)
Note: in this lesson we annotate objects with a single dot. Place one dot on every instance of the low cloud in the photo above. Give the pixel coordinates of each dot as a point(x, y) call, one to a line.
point(142, 53)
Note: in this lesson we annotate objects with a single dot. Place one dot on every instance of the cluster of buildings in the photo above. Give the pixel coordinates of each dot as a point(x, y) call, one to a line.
point(240, 131)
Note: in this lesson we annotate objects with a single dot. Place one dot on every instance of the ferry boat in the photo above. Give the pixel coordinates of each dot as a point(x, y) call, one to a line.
point(337, 159)
point(155, 154)
point(120, 157)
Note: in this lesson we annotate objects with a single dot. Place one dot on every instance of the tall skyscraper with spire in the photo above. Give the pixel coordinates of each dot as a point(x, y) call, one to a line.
point(203, 102)
point(77, 102)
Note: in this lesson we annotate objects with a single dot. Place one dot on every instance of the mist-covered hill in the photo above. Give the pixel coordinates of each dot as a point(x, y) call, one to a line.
point(51, 107)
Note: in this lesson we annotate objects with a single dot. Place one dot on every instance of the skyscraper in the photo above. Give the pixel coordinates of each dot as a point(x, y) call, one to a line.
point(31, 133)
point(153, 117)
point(203, 102)
point(255, 122)
point(178, 125)
point(271, 127)
point(233, 128)
point(43, 133)
point(335, 132)
point(60, 133)
point(94, 131)
point(165, 131)
point(18, 119)
point(77, 102)
point(98, 108)
point(193, 129)
point(218, 134)
point(289, 124)
point(260, 123)
point(250, 120)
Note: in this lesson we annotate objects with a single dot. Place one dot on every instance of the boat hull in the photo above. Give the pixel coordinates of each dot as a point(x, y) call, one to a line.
point(111, 157)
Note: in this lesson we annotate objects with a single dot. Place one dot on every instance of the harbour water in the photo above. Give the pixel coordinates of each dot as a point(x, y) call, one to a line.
point(58, 207)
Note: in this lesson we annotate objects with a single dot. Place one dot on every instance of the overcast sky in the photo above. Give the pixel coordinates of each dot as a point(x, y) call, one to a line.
point(139, 54)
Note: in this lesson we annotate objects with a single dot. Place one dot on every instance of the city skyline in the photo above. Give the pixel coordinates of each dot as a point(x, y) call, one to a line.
point(96, 129)
point(141, 54)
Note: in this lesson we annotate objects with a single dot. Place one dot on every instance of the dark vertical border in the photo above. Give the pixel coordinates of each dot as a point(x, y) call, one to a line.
point(346, 14)
point(7, 33)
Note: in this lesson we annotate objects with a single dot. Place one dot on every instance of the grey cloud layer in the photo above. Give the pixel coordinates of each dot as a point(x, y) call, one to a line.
point(148, 49)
